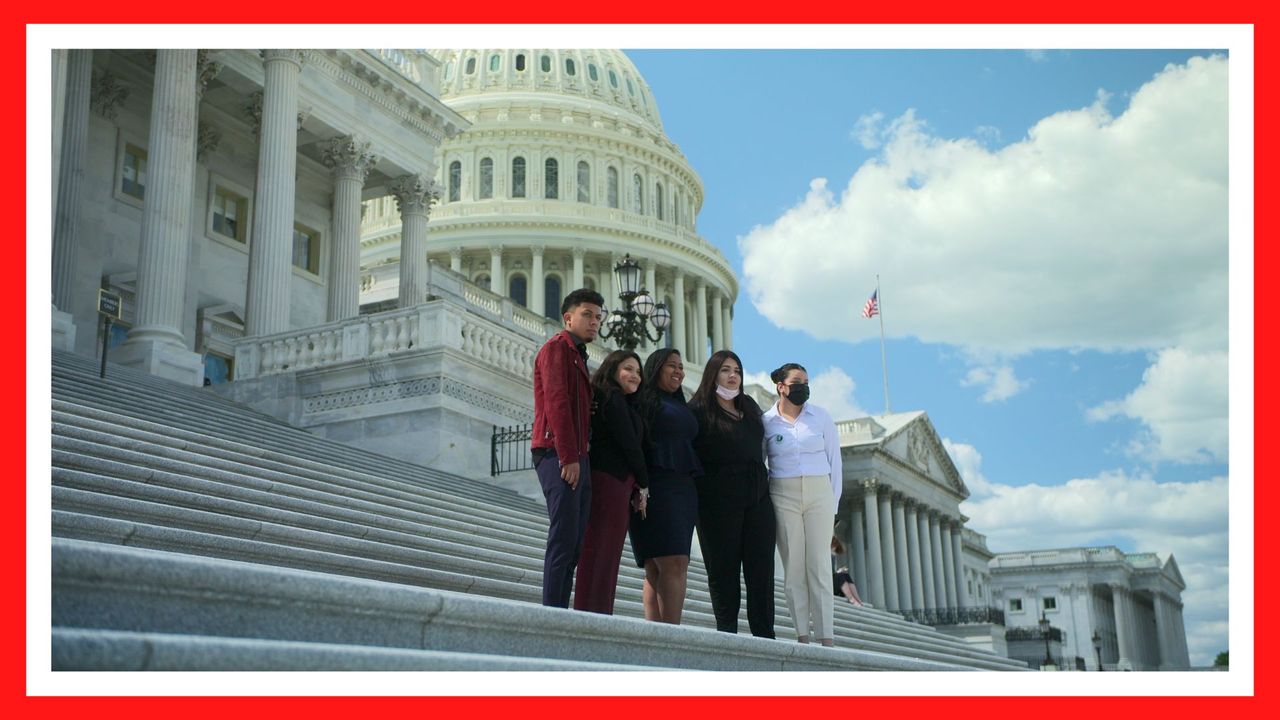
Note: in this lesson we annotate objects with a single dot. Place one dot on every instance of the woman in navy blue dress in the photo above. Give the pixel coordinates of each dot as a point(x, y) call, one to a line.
point(661, 537)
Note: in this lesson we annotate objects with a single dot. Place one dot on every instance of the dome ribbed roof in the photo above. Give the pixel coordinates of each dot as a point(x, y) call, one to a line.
point(604, 78)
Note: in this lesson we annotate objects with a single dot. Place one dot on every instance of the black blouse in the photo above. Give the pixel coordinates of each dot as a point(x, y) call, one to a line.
point(731, 451)
point(616, 438)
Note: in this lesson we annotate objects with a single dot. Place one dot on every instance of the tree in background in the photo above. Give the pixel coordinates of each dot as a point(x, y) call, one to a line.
point(1221, 660)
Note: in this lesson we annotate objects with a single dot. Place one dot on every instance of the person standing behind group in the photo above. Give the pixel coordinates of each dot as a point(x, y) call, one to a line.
point(805, 481)
point(660, 539)
point(736, 523)
point(618, 479)
point(561, 427)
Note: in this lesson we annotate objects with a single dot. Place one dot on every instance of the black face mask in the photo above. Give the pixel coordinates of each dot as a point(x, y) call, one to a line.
point(799, 393)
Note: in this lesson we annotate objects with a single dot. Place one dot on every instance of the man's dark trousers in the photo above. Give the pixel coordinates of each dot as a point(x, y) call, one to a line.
point(567, 508)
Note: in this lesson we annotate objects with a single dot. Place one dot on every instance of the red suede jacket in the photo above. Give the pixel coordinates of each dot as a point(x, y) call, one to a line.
point(561, 399)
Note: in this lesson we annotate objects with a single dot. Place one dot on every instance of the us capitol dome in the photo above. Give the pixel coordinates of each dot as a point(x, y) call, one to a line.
point(564, 170)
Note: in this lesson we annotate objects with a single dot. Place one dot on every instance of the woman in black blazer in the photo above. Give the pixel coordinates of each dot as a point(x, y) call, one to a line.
point(618, 479)
point(736, 523)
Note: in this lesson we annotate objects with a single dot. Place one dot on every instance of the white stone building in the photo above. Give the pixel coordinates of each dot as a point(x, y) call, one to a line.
point(1131, 601)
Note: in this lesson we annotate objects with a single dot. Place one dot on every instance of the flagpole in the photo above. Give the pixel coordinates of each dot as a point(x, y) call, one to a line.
point(884, 361)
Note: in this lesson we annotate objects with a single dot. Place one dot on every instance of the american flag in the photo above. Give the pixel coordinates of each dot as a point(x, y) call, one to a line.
point(872, 308)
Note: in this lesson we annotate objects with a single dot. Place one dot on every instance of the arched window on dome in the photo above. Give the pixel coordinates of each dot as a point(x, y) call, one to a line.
point(613, 79)
point(545, 63)
point(551, 179)
point(471, 66)
point(637, 194)
point(518, 289)
point(520, 62)
point(613, 187)
point(455, 181)
point(569, 68)
point(495, 62)
point(657, 200)
point(551, 291)
point(486, 178)
point(631, 89)
point(517, 177)
point(593, 73)
point(584, 181)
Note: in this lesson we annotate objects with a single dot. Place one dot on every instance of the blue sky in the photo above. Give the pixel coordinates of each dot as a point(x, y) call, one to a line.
point(1050, 228)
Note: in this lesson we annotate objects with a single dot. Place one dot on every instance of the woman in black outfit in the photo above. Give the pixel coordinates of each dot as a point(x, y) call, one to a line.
point(618, 479)
point(736, 524)
point(661, 539)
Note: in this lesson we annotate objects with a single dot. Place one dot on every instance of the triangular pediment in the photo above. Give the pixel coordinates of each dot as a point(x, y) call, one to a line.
point(1173, 573)
point(917, 444)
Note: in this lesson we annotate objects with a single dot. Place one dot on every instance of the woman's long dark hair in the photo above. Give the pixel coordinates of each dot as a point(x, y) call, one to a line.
point(604, 381)
point(705, 396)
point(650, 394)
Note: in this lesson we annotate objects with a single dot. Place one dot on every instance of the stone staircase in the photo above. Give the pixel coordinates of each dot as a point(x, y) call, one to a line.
point(190, 532)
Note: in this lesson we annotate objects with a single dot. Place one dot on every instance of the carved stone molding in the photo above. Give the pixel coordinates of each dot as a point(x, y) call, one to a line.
point(297, 57)
point(206, 70)
point(348, 156)
point(107, 93)
point(414, 193)
point(252, 109)
point(208, 138)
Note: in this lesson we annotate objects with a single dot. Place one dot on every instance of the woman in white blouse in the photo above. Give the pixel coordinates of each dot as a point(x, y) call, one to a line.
point(804, 481)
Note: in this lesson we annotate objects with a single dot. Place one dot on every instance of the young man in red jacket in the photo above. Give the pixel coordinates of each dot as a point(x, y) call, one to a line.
point(561, 424)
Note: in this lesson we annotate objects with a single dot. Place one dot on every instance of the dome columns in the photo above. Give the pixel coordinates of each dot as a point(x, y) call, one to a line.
point(349, 161)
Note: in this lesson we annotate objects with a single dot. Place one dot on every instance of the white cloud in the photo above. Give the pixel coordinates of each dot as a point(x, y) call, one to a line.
point(867, 130)
point(968, 462)
point(988, 134)
point(1000, 382)
point(1185, 519)
point(1092, 232)
point(1182, 402)
point(833, 390)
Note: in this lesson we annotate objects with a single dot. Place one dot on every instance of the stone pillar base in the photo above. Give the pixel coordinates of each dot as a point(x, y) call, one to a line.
point(160, 359)
point(64, 331)
point(1124, 665)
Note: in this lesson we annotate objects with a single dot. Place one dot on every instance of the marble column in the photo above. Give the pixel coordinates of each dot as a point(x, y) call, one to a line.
point(455, 260)
point(579, 254)
point(717, 326)
point(728, 324)
point(156, 343)
point(700, 340)
point(1124, 634)
point(912, 522)
point(900, 554)
point(957, 550)
point(858, 550)
point(939, 569)
point(71, 168)
point(538, 282)
point(497, 278)
point(926, 560)
point(888, 556)
point(875, 566)
point(271, 245)
point(1182, 653)
point(948, 562)
point(1159, 609)
point(678, 339)
point(58, 95)
point(349, 161)
point(414, 195)
point(651, 285)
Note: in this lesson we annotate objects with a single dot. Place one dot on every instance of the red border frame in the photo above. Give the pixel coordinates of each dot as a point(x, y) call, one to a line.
point(13, 364)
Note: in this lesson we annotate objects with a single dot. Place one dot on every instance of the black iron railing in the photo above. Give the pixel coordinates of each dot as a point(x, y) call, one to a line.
point(509, 449)
point(956, 616)
point(1032, 633)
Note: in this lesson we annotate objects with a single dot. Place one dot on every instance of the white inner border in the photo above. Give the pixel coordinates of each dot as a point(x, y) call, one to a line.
point(1236, 39)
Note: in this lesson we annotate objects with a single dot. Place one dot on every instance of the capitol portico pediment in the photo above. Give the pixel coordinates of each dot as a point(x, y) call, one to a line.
point(917, 445)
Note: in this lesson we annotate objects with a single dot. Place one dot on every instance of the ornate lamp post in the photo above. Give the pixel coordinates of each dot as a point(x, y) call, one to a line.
point(1097, 648)
point(1044, 631)
point(628, 326)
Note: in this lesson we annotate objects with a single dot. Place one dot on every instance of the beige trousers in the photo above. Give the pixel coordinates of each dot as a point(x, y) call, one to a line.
point(806, 518)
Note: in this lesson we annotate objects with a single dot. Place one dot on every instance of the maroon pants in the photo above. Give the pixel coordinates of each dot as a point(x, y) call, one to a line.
point(597, 580)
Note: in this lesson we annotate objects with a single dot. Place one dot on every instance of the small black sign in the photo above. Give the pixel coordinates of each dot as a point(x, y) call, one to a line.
point(108, 304)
